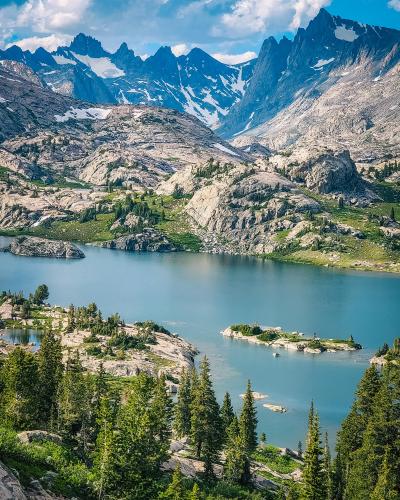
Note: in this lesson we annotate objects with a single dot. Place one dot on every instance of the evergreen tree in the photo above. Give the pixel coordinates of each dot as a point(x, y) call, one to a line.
point(381, 431)
point(227, 414)
point(237, 464)
point(74, 401)
point(313, 474)
point(387, 485)
point(142, 444)
point(392, 214)
point(104, 456)
point(161, 414)
point(175, 490)
point(182, 408)
point(353, 427)
point(248, 421)
point(50, 369)
point(205, 420)
point(41, 294)
point(327, 467)
point(195, 493)
point(20, 379)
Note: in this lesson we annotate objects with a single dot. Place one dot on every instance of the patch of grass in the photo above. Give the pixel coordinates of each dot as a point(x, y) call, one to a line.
point(159, 361)
point(86, 232)
point(271, 456)
point(187, 241)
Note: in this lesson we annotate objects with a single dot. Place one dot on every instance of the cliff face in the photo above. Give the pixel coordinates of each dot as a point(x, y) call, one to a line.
point(335, 85)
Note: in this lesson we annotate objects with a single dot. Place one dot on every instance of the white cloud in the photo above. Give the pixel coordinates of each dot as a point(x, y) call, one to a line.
point(180, 49)
point(235, 58)
point(49, 43)
point(48, 15)
point(394, 4)
point(256, 16)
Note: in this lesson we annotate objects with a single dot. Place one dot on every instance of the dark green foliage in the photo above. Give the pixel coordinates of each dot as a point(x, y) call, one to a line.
point(175, 490)
point(50, 371)
point(248, 421)
point(205, 432)
point(314, 484)
point(41, 295)
point(268, 336)
point(247, 330)
point(237, 462)
point(182, 420)
point(87, 215)
point(20, 405)
point(227, 415)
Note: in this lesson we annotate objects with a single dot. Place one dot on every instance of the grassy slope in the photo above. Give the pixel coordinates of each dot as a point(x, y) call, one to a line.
point(371, 253)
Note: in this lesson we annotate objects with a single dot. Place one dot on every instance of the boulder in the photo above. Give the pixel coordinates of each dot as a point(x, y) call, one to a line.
point(149, 240)
point(30, 246)
point(10, 487)
point(27, 437)
point(329, 172)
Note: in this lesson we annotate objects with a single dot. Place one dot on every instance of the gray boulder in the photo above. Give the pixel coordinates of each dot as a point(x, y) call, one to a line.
point(149, 240)
point(31, 246)
point(329, 172)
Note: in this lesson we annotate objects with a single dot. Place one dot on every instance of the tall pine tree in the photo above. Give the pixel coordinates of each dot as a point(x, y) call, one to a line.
point(182, 410)
point(314, 487)
point(205, 419)
point(248, 421)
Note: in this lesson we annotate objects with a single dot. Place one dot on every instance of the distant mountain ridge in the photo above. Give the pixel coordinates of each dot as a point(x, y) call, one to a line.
point(335, 85)
point(195, 83)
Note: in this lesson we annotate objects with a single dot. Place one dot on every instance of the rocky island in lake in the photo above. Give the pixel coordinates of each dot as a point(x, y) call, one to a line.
point(295, 341)
point(31, 246)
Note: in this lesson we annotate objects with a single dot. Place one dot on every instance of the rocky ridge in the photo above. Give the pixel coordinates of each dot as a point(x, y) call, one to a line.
point(334, 86)
point(195, 83)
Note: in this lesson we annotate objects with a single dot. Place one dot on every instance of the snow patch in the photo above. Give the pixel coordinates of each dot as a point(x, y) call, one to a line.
point(221, 147)
point(348, 35)
point(3, 100)
point(63, 60)
point(323, 62)
point(102, 66)
point(83, 114)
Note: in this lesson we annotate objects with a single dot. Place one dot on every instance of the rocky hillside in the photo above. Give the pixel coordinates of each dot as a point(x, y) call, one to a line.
point(335, 85)
point(195, 83)
point(47, 135)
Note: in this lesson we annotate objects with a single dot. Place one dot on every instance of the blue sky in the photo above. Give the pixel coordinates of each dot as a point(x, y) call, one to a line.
point(232, 30)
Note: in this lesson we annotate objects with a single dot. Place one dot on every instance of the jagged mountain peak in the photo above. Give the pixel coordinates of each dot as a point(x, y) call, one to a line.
point(86, 45)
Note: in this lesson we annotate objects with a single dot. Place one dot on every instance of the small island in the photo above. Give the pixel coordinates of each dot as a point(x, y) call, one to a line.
point(276, 337)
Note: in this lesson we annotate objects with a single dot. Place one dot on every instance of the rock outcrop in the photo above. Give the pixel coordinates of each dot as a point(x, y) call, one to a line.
point(30, 246)
point(239, 209)
point(149, 240)
point(329, 172)
point(10, 487)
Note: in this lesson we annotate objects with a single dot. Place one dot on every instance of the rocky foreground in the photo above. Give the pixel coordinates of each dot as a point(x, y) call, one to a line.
point(30, 246)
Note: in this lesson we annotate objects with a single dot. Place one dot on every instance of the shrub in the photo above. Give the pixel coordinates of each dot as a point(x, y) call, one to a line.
point(247, 330)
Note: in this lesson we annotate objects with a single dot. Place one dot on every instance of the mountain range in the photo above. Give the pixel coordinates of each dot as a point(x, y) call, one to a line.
point(195, 83)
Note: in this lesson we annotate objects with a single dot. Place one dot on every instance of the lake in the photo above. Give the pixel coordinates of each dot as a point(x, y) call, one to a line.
point(198, 295)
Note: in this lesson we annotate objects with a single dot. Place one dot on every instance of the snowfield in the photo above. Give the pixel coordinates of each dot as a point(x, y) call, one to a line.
point(83, 114)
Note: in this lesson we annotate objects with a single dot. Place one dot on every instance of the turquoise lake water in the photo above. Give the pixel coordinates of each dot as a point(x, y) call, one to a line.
point(197, 296)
